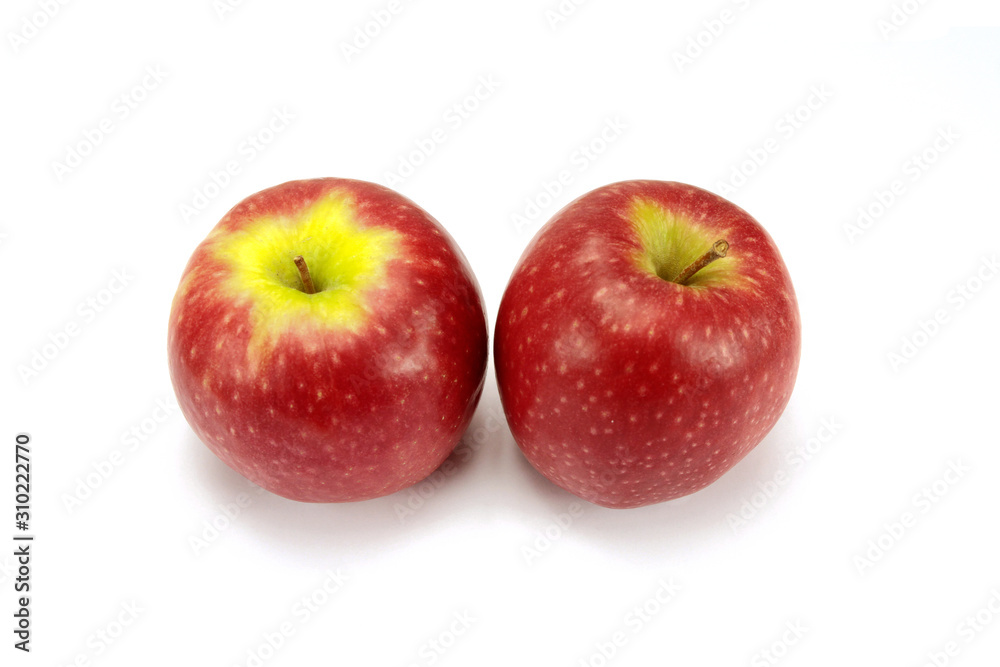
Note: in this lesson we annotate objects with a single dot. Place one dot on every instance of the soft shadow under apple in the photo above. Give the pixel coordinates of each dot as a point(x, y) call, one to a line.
point(668, 526)
point(325, 530)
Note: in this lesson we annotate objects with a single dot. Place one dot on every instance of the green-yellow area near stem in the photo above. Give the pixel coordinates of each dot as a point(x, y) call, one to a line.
point(670, 242)
point(344, 258)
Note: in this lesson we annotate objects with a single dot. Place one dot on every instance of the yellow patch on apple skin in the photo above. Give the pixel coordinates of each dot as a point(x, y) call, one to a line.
point(670, 242)
point(344, 260)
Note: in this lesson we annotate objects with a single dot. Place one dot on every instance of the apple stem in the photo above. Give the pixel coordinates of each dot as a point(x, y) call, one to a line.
point(307, 281)
point(719, 249)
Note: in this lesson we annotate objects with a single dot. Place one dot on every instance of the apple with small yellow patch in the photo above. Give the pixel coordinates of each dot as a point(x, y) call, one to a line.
point(647, 341)
point(328, 341)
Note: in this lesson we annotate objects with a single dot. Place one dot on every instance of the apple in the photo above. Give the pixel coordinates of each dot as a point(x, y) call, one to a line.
point(648, 339)
point(328, 341)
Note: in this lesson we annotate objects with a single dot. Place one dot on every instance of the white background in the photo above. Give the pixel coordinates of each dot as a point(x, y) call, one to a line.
point(815, 549)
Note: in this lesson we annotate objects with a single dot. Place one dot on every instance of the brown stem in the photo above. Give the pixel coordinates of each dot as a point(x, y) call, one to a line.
point(307, 281)
point(719, 249)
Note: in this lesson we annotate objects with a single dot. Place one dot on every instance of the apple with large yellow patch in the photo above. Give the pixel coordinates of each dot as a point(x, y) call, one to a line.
point(328, 341)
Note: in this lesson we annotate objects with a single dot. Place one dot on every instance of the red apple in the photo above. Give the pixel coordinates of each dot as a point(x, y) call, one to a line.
point(328, 341)
point(627, 380)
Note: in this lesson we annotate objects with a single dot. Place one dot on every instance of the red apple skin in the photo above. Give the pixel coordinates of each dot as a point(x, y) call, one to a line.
point(627, 389)
point(334, 416)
